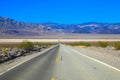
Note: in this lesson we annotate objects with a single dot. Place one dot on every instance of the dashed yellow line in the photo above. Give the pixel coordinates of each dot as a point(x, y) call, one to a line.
point(57, 59)
point(52, 78)
point(58, 51)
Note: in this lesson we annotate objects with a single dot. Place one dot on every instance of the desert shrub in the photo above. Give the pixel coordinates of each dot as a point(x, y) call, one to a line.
point(44, 44)
point(27, 45)
point(8, 45)
point(103, 44)
point(85, 44)
point(116, 45)
point(79, 44)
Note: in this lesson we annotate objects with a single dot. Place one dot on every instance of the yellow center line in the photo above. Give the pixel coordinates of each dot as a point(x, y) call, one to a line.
point(52, 78)
point(58, 51)
point(57, 59)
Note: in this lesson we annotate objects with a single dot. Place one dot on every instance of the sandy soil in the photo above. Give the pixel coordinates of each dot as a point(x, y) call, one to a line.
point(107, 55)
point(64, 36)
point(54, 40)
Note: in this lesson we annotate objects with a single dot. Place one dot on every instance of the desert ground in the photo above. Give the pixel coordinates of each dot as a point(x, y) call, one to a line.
point(62, 38)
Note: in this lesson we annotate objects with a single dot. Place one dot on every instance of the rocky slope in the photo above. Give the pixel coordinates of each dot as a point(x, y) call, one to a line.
point(12, 27)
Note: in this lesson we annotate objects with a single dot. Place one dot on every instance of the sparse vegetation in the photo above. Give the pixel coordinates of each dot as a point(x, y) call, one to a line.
point(44, 44)
point(8, 45)
point(116, 45)
point(102, 44)
point(80, 44)
point(26, 45)
point(11, 51)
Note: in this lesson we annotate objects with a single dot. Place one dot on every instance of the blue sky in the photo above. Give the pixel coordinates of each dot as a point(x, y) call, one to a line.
point(61, 11)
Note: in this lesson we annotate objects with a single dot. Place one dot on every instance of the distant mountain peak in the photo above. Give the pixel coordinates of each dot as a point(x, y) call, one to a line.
point(13, 27)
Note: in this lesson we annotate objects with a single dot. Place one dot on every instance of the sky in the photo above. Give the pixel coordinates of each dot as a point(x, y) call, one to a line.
point(61, 11)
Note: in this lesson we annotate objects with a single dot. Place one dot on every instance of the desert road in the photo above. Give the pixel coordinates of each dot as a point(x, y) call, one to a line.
point(62, 63)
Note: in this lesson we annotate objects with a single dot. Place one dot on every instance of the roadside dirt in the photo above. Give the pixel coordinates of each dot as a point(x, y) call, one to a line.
point(107, 55)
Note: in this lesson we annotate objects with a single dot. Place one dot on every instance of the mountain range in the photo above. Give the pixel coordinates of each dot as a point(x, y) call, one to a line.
point(12, 27)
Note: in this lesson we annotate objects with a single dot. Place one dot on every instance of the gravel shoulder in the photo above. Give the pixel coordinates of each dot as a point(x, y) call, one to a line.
point(106, 55)
point(9, 64)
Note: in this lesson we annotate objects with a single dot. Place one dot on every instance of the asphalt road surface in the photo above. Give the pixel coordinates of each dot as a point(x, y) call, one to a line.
point(61, 63)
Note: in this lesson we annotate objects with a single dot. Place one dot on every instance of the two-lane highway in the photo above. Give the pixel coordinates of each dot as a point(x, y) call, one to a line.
point(62, 63)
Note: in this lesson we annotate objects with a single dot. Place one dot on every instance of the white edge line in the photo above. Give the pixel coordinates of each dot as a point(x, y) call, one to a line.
point(25, 61)
point(97, 61)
